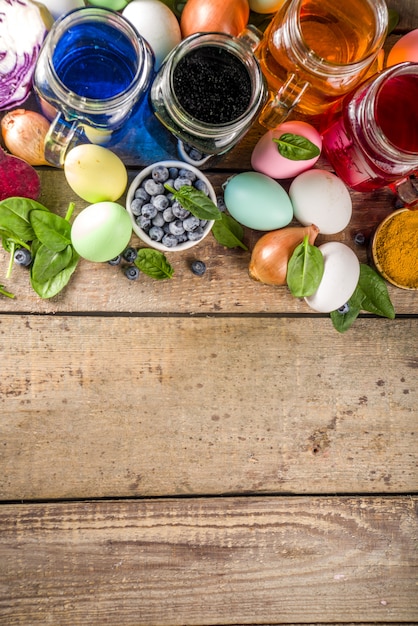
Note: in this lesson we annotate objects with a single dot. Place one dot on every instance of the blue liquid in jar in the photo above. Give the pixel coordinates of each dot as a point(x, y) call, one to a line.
point(95, 61)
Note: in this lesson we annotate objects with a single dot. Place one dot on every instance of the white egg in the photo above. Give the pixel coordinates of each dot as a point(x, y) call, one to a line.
point(321, 198)
point(340, 278)
point(60, 7)
point(266, 6)
point(157, 24)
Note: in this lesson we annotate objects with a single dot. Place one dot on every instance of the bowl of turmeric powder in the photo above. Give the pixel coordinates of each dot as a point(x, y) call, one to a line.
point(395, 248)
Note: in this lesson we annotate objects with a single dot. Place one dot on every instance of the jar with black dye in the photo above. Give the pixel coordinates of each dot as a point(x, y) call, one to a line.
point(209, 91)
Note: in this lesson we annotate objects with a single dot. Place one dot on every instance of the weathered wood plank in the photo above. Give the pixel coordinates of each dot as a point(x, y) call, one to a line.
point(226, 286)
point(209, 561)
point(138, 406)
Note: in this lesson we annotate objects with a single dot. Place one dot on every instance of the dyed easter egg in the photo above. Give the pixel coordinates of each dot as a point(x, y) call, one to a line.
point(267, 158)
point(405, 49)
point(257, 201)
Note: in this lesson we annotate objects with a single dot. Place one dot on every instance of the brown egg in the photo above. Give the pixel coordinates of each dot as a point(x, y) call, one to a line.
point(214, 16)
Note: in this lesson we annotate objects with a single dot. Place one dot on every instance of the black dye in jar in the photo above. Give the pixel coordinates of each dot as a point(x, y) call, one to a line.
point(212, 85)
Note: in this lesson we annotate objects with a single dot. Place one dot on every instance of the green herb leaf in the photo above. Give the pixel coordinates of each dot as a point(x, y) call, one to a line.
point(153, 263)
point(305, 269)
point(228, 232)
point(393, 20)
point(296, 147)
point(370, 295)
point(54, 285)
point(51, 230)
point(196, 202)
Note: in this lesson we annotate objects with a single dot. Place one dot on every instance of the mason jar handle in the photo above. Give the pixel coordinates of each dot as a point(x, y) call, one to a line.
point(283, 102)
point(58, 139)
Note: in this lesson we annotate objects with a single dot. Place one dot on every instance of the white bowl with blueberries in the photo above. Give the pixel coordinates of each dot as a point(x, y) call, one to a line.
point(157, 217)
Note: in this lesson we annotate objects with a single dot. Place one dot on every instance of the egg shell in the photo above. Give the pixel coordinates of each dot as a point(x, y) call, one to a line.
point(114, 5)
point(257, 201)
point(61, 7)
point(405, 49)
point(157, 24)
point(340, 278)
point(320, 197)
point(267, 159)
point(101, 231)
point(95, 173)
point(266, 6)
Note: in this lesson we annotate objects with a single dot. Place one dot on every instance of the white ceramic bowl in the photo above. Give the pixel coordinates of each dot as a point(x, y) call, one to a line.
point(136, 183)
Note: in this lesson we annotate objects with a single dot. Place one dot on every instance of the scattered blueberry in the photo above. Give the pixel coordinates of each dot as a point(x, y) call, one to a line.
point(221, 203)
point(198, 268)
point(359, 239)
point(116, 260)
point(22, 256)
point(132, 272)
point(344, 309)
point(130, 254)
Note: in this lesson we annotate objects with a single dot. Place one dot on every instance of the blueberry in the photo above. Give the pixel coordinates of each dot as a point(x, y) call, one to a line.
point(116, 260)
point(195, 235)
point(141, 194)
point(132, 272)
point(220, 202)
point(179, 211)
point(158, 220)
point(169, 240)
point(198, 268)
point(153, 188)
point(129, 254)
point(149, 211)
point(181, 181)
point(202, 186)
point(168, 214)
point(22, 256)
point(173, 172)
point(136, 206)
point(156, 233)
point(185, 173)
point(191, 223)
point(160, 173)
point(143, 222)
point(176, 227)
point(344, 309)
point(195, 154)
point(359, 239)
point(160, 202)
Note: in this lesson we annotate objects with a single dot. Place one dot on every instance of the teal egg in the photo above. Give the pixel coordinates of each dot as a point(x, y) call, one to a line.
point(258, 201)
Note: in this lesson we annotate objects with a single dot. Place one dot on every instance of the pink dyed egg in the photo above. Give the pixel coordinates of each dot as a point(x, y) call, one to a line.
point(267, 159)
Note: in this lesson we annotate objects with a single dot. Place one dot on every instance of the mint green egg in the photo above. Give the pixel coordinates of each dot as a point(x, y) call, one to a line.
point(258, 201)
point(101, 231)
point(115, 5)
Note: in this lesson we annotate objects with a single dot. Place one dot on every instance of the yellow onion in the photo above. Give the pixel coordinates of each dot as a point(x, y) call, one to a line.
point(24, 135)
point(271, 253)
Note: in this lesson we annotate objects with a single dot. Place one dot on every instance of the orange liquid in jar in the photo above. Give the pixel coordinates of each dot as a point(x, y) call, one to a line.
point(338, 36)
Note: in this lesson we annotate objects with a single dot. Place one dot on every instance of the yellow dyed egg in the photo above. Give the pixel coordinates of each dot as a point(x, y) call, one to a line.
point(257, 201)
point(95, 173)
point(101, 231)
point(266, 6)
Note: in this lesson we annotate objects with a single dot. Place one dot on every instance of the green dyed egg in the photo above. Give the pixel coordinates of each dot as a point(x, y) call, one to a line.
point(257, 201)
point(115, 5)
point(101, 231)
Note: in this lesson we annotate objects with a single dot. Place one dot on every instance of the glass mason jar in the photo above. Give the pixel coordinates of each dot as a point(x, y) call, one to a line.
point(209, 91)
point(371, 140)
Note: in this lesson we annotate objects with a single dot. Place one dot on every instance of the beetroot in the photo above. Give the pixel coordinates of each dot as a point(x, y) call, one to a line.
point(17, 178)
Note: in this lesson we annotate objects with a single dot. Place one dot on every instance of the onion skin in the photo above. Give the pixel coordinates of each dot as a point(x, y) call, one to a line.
point(271, 253)
point(223, 16)
point(24, 135)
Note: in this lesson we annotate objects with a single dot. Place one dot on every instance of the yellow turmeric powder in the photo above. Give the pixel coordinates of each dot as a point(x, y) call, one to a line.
point(396, 249)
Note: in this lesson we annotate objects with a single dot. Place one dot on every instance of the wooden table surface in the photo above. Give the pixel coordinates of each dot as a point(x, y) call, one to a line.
point(206, 450)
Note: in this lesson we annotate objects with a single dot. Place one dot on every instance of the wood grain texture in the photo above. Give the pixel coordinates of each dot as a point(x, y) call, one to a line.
point(138, 406)
point(209, 561)
point(225, 288)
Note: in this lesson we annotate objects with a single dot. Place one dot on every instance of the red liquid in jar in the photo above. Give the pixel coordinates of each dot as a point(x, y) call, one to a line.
point(361, 164)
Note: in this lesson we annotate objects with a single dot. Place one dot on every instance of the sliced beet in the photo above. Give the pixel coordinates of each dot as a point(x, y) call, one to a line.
point(17, 178)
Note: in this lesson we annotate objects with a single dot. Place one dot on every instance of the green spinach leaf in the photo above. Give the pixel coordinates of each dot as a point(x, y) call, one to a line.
point(228, 232)
point(51, 230)
point(56, 283)
point(153, 263)
point(48, 262)
point(296, 147)
point(305, 269)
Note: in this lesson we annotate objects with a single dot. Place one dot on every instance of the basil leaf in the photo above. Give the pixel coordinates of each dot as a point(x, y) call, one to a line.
point(296, 147)
point(55, 284)
point(153, 263)
point(196, 202)
point(375, 296)
point(305, 269)
point(52, 230)
point(228, 232)
point(48, 263)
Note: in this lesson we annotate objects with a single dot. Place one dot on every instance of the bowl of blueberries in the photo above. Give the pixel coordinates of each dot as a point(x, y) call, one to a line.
point(157, 217)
